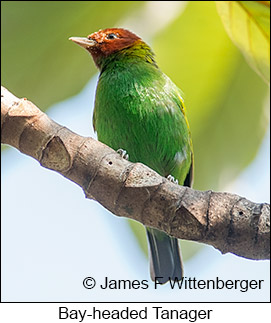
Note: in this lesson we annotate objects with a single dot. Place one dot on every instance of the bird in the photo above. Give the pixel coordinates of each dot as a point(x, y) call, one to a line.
point(140, 112)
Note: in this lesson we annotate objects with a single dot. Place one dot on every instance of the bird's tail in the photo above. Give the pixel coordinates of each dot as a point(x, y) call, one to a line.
point(165, 258)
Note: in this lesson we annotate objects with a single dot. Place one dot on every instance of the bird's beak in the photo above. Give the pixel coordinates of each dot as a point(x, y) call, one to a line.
point(83, 42)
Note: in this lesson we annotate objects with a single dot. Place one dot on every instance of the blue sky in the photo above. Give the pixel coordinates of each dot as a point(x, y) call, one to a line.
point(52, 237)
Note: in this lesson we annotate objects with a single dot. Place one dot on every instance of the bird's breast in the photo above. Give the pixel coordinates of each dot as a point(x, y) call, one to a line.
point(139, 113)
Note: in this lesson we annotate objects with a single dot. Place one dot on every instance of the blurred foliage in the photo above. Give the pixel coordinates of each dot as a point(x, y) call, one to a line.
point(248, 25)
point(224, 97)
point(38, 60)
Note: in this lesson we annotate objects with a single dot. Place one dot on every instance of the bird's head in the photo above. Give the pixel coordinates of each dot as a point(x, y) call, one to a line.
point(104, 43)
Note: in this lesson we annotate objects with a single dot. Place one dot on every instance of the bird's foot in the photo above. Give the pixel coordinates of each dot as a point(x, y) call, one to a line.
point(123, 153)
point(172, 179)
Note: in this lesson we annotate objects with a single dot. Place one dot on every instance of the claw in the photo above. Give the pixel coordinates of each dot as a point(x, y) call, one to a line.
point(123, 153)
point(172, 179)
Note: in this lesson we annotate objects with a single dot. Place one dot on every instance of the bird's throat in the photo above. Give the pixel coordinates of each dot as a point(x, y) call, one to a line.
point(139, 51)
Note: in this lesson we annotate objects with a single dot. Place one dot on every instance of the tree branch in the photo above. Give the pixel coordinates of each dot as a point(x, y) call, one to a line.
point(226, 221)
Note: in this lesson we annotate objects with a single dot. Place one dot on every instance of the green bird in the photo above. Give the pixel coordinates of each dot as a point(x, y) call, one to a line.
point(140, 110)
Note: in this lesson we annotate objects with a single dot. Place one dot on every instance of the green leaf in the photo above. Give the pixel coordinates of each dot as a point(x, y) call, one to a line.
point(38, 60)
point(248, 25)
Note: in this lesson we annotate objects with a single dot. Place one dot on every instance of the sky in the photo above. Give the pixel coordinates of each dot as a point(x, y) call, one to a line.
point(53, 237)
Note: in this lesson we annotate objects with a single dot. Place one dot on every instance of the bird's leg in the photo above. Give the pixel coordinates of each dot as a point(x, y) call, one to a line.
point(172, 179)
point(123, 153)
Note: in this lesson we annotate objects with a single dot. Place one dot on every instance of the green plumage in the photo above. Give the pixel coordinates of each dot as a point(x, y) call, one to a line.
point(139, 109)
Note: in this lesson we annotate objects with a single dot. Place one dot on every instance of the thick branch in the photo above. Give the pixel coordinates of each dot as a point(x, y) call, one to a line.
point(226, 221)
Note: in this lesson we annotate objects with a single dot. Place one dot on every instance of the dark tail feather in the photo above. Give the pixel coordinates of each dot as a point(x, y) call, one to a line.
point(165, 258)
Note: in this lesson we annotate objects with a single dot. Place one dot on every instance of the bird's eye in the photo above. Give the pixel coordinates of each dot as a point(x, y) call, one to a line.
point(111, 36)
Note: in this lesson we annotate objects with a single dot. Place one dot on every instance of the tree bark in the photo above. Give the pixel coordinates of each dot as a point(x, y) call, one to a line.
point(226, 221)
